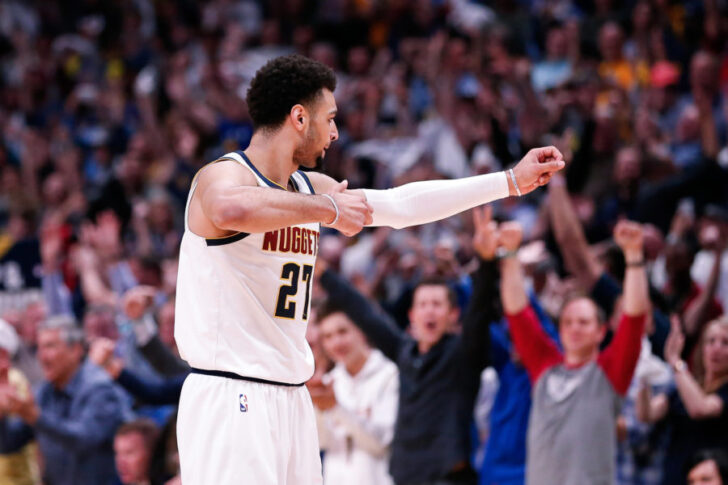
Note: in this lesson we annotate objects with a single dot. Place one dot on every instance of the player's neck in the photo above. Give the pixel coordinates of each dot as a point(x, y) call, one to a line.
point(272, 155)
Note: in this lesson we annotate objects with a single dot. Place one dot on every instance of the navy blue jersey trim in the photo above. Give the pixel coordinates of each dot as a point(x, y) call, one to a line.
point(295, 184)
point(232, 375)
point(268, 182)
point(308, 182)
point(227, 240)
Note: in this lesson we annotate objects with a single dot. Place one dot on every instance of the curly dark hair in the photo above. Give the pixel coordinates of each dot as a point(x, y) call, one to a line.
point(282, 83)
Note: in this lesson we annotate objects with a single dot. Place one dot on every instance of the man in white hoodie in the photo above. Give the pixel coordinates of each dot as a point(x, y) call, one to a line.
point(356, 405)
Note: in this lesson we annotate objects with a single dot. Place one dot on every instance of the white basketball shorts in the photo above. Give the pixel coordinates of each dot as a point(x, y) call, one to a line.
point(235, 432)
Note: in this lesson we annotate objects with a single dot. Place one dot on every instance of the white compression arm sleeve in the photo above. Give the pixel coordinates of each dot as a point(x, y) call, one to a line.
point(432, 200)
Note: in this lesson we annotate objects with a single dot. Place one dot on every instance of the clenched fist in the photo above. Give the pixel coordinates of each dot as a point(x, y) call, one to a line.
point(354, 210)
point(536, 168)
point(629, 237)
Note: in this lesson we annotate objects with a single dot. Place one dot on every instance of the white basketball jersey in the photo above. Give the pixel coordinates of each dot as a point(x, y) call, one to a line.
point(243, 301)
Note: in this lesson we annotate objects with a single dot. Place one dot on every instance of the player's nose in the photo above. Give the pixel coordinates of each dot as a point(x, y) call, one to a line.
point(334, 132)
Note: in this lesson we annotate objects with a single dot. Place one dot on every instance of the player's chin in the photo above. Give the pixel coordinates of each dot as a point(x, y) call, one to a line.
point(317, 163)
point(312, 163)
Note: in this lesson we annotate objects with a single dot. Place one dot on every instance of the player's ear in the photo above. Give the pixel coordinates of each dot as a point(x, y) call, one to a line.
point(299, 116)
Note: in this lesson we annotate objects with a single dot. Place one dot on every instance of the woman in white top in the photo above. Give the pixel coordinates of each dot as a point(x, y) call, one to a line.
point(356, 405)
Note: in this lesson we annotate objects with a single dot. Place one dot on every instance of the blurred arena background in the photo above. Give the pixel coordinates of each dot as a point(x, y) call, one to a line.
point(109, 107)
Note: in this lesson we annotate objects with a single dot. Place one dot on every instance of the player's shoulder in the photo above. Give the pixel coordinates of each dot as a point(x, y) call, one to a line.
point(228, 170)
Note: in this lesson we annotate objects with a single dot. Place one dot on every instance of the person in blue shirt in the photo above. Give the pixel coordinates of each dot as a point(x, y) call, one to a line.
point(158, 392)
point(73, 416)
point(505, 452)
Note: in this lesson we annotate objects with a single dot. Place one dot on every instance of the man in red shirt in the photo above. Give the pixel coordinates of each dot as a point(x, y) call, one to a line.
point(576, 394)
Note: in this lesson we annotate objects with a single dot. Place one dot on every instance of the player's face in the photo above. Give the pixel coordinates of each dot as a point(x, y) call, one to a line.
point(321, 132)
point(431, 314)
point(579, 327)
point(705, 473)
point(342, 341)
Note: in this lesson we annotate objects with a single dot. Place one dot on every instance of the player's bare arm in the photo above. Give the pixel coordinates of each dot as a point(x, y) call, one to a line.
point(227, 200)
point(432, 200)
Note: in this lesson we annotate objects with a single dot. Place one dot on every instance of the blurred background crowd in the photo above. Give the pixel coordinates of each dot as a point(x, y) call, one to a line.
point(109, 107)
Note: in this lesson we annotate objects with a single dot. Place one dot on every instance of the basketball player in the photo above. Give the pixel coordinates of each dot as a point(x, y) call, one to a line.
point(246, 270)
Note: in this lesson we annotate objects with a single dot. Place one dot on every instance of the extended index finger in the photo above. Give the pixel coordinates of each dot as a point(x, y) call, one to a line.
point(487, 213)
point(552, 166)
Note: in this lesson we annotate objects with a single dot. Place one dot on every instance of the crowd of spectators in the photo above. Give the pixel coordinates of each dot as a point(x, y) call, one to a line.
point(108, 108)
